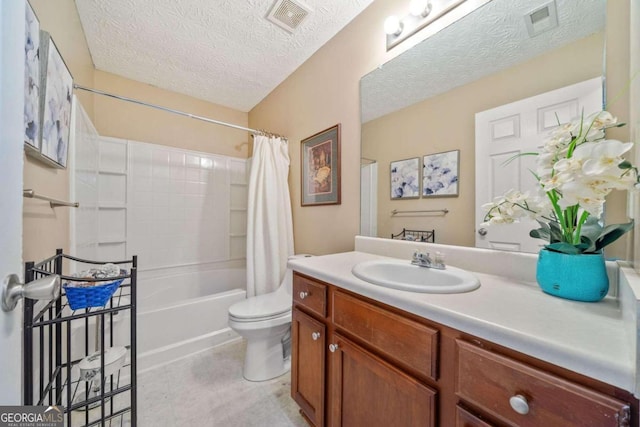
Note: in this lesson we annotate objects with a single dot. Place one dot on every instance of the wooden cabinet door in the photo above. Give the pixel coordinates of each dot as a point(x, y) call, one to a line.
point(367, 391)
point(308, 365)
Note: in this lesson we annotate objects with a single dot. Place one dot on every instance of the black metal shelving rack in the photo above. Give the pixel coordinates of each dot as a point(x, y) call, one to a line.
point(427, 236)
point(49, 375)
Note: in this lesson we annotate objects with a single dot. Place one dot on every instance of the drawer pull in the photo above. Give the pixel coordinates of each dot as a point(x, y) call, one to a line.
point(315, 335)
point(304, 294)
point(519, 404)
point(333, 348)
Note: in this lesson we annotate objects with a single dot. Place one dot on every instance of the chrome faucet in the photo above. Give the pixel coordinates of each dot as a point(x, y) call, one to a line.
point(423, 259)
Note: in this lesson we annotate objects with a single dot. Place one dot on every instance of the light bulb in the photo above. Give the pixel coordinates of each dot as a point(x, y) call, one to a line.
point(420, 7)
point(393, 26)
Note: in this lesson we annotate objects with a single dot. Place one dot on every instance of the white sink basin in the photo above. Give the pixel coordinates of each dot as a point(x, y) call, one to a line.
point(399, 274)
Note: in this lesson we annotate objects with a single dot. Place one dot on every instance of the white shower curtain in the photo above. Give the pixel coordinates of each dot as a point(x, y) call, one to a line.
point(269, 223)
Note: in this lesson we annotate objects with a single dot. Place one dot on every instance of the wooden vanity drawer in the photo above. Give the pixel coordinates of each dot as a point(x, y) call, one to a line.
point(465, 418)
point(489, 380)
point(407, 342)
point(310, 293)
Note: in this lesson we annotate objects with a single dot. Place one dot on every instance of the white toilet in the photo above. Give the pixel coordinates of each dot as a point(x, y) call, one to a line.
point(265, 322)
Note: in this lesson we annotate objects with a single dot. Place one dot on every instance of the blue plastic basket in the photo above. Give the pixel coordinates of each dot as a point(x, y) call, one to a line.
point(91, 296)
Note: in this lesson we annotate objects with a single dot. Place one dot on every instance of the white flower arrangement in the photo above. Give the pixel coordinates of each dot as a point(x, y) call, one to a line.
point(576, 169)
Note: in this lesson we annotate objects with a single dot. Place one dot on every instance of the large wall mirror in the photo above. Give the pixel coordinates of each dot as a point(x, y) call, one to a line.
point(424, 102)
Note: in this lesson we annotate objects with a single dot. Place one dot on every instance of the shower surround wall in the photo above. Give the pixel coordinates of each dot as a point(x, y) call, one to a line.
point(185, 208)
point(187, 221)
point(184, 214)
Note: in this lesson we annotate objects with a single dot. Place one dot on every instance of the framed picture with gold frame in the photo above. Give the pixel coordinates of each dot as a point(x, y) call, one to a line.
point(320, 169)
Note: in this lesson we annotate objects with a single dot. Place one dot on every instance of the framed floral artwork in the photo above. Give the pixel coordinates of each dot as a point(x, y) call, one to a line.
point(55, 105)
point(405, 179)
point(320, 158)
point(440, 174)
point(32, 80)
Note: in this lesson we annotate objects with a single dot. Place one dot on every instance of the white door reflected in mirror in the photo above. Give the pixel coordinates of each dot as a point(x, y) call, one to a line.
point(521, 127)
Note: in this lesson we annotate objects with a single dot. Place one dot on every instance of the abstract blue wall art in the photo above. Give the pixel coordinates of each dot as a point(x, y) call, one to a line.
point(405, 179)
point(32, 79)
point(56, 103)
point(440, 174)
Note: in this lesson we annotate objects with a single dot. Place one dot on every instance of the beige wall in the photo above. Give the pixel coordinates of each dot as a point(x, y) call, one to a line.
point(447, 122)
point(325, 90)
point(46, 229)
point(634, 109)
point(131, 121)
point(320, 93)
point(617, 66)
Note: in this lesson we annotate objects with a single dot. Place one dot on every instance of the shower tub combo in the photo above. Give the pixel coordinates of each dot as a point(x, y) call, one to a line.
point(186, 312)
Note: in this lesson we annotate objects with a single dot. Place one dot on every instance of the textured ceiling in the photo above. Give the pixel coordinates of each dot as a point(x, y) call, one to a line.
point(222, 51)
point(488, 40)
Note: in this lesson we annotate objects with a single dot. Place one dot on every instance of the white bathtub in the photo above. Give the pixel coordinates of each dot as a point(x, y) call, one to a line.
point(184, 313)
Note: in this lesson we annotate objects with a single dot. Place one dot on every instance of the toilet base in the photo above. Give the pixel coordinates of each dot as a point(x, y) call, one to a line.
point(263, 359)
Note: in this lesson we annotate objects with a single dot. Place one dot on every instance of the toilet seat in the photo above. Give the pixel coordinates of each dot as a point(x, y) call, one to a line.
point(262, 307)
point(258, 326)
point(257, 319)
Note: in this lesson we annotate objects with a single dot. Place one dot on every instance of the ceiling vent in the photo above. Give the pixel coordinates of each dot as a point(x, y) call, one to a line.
point(542, 19)
point(288, 14)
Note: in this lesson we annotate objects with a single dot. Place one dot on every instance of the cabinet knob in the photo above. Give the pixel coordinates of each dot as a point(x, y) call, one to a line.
point(519, 404)
point(304, 294)
point(333, 347)
point(482, 232)
point(315, 335)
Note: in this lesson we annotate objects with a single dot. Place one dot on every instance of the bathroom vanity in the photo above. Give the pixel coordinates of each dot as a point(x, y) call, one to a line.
point(503, 355)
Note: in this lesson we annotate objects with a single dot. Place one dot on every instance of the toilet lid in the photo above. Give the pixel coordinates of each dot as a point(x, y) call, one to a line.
point(268, 305)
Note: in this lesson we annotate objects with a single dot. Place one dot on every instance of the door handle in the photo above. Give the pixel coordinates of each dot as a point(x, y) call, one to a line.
point(482, 232)
point(45, 288)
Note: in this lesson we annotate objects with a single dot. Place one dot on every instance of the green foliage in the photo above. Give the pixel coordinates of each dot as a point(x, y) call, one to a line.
point(593, 239)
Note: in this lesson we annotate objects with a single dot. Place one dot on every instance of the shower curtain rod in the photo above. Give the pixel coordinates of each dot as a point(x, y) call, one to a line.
point(180, 113)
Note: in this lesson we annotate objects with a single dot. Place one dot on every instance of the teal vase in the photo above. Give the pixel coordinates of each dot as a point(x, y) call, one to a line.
point(581, 277)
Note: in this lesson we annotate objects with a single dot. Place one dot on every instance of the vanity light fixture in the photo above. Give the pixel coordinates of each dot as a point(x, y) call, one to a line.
point(420, 8)
point(393, 26)
point(421, 14)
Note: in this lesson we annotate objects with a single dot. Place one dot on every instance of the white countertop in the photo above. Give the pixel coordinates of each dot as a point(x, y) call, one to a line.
point(589, 338)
